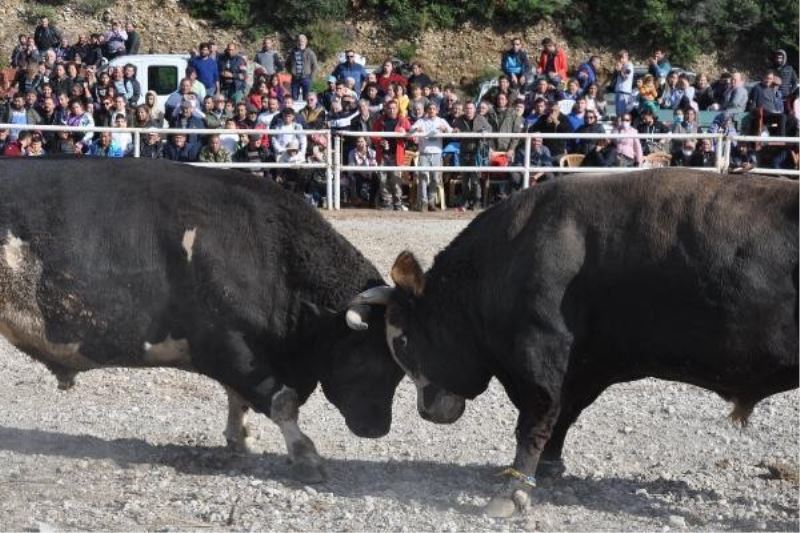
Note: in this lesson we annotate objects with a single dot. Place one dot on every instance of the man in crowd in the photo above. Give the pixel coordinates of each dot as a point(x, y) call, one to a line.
point(179, 149)
point(418, 77)
point(552, 63)
point(213, 151)
point(515, 64)
point(302, 63)
point(586, 73)
point(351, 69)
point(46, 36)
point(429, 127)
point(207, 69)
point(471, 122)
point(659, 65)
point(785, 72)
point(765, 99)
point(390, 152)
point(235, 63)
point(268, 57)
point(134, 40)
point(623, 83)
point(650, 125)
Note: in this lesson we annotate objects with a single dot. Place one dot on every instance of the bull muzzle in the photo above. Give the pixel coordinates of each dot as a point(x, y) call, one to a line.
point(439, 406)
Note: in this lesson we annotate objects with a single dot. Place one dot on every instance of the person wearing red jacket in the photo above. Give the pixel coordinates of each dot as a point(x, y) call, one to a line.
point(552, 62)
point(388, 76)
point(390, 151)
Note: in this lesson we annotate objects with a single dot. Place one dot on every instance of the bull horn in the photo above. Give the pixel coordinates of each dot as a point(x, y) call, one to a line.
point(373, 296)
point(357, 316)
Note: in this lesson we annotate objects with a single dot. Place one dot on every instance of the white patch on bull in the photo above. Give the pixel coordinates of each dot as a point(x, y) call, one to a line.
point(14, 251)
point(393, 333)
point(21, 318)
point(188, 242)
point(174, 352)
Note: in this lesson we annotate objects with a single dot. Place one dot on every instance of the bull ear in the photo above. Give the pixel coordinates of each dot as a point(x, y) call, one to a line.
point(407, 274)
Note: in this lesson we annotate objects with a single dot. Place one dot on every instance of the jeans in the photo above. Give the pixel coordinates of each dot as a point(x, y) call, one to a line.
point(623, 103)
point(428, 181)
point(300, 83)
point(389, 184)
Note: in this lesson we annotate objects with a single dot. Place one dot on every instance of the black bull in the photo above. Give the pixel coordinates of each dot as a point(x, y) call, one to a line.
point(572, 286)
point(146, 263)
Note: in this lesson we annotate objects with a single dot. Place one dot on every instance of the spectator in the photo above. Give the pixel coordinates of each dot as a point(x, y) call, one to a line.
point(19, 53)
point(236, 64)
point(648, 93)
point(515, 63)
point(473, 152)
point(180, 149)
point(629, 149)
point(683, 122)
point(552, 62)
point(587, 73)
point(743, 158)
point(785, 72)
point(416, 98)
point(594, 101)
point(123, 140)
point(703, 93)
point(503, 86)
point(572, 92)
point(682, 156)
point(151, 102)
point(59, 80)
point(231, 141)
point(15, 112)
point(650, 125)
point(246, 117)
point(659, 66)
point(151, 146)
point(429, 128)
point(268, 57)
point(187, 120)
point(735, 97)
point(504, 120)
point(46, 36)
point(313, 115)
point(591, 125)
point(115, 40)
point(211, 119)
point(133, 41)
point(362, 184)
point(350, 68)
point(267, 114)
point(602, 154)
point(80, 50)
point(63, 50)
point(130, 85)
point(388, 76)
point(287, 132)
point(259, 92)
point(207, 69)
point(398, 92)
point(174, 100)
point(329, 94)
point(302, 66)
point(704, 155)
point(213, 151)
point(554, 122)
point(49, 117)
point(29, 79)
point(623, 84)
point(18, 147)
point(418, 77)
point(577, 115)
point(766, 102)
point(94, 54)
point(142, 118)
point(104, 146)
point(62, 144)
point(670, 98)
point(252, 152)
point(540, 158)
point(390, 152)
point(121, 108)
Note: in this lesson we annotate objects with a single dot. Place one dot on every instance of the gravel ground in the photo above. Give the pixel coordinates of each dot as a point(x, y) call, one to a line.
point(143, 450)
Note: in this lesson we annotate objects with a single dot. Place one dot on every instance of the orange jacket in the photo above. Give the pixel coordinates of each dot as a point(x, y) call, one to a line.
point(560, 63)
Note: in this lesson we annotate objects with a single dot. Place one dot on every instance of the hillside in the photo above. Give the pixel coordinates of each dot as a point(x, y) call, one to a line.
point(450, 56)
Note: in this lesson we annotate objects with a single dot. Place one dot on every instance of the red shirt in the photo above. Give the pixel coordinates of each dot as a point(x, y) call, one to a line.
point(385, 81)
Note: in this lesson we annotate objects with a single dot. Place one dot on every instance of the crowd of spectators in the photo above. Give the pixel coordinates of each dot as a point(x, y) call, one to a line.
point(59, 82)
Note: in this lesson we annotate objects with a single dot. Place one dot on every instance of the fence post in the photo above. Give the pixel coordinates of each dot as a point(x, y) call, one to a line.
point(337, 176)
point(137, 140)
point(337, 150)
point(720, 158)
point(526, 178)
point(329, 168)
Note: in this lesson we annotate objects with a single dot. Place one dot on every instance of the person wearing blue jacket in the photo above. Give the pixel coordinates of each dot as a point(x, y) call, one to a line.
point(351, 69)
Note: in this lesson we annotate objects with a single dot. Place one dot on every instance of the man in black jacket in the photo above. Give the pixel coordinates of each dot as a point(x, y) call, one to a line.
point(650, 125)
point(46, 36)
point(590, 125)
point(134, 40)
point(554, 122)
point(471, 122)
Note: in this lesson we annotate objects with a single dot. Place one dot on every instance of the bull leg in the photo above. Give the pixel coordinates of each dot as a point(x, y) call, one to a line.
point(306, 462)
point(578, 398)
point(237, 433)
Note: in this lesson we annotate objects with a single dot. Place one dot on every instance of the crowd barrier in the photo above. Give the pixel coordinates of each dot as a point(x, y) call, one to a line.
point(334, 167)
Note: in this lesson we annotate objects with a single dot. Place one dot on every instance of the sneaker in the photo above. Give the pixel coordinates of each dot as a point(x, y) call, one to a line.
point(400, 207)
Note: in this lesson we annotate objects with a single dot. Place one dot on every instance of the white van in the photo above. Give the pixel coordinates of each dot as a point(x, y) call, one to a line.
point(156, 72)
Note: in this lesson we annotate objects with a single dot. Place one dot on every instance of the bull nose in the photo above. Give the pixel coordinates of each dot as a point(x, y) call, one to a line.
point(368, 431)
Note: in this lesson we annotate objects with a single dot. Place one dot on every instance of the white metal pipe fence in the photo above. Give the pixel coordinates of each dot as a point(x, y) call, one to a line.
point(334, 166)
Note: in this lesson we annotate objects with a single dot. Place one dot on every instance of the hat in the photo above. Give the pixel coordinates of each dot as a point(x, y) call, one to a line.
point(331, 79)
point(292, 145)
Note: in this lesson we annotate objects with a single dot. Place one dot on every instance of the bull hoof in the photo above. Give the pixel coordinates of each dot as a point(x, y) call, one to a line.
point(246, 445)
point(500, 507)
point(512, 498)
point(551, 469)
point(308, 473)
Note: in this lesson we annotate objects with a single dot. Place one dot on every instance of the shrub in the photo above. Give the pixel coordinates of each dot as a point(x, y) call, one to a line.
point(35, 12)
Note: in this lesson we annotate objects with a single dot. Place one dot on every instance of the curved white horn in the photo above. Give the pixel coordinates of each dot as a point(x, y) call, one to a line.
point(373, 296)
point(357, 316)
